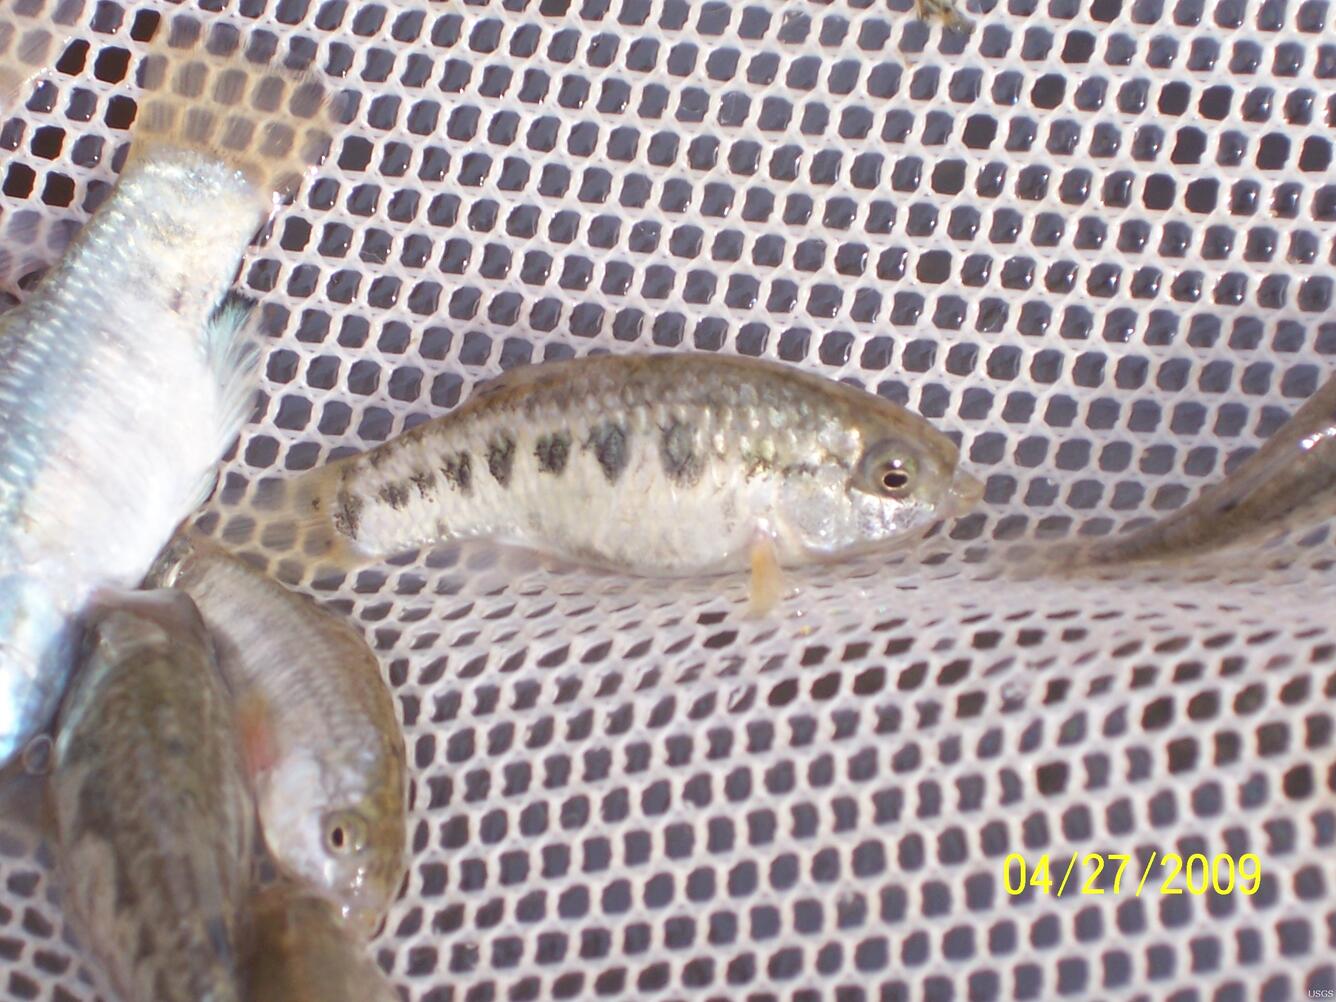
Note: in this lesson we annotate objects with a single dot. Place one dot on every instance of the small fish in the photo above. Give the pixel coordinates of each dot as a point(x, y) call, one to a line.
point(152, 814)
point(129, 372)
point(318, 728)
point(301, 951)
point(661, 465)
point(1289, 482)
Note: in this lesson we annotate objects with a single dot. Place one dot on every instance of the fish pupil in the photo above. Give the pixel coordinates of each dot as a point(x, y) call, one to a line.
point(895, 479)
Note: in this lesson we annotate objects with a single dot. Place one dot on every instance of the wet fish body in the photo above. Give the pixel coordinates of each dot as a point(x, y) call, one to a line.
point(152, 814)
point(303, 952)
point(660, 465)
point(127, 374)
point(321, 738)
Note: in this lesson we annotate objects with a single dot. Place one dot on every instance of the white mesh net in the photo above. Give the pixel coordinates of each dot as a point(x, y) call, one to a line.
point(1093, 240)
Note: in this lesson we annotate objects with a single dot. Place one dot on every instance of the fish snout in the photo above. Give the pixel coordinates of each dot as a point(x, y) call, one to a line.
point(965, 493)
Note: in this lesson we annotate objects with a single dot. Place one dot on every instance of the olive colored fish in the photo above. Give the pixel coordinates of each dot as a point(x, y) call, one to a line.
point(661, 465)
point(1289, 482)
point(152, 814)
point(127, 374)
point(319, 731)
point(301, 951)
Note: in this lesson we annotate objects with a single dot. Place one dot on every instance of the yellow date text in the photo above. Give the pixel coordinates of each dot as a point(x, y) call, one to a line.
point(1124, 873)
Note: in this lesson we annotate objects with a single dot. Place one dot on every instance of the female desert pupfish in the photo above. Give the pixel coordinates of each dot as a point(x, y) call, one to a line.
point(661, 465)
point(152, 813)
point(319, 733)
point(127, 374)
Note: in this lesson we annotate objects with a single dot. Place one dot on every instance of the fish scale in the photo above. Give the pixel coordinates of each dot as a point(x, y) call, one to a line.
point(324, 748)
point(129, 371)
point(660, 465)
point(152, 813)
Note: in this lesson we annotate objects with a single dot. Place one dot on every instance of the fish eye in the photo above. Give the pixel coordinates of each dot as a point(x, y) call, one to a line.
point(889, 469)
point(344, 832)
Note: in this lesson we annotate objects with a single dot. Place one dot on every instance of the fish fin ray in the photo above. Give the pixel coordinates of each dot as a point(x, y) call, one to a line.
point(231, 344)
point(203, 93)
point(308, 508)
point(232, 350)
point(767, 578)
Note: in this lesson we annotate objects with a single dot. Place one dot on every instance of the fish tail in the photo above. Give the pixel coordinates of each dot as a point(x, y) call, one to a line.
point(231, 347)
point(231, 344)
point(33, 33)
point(324, 518)
point(204, 93)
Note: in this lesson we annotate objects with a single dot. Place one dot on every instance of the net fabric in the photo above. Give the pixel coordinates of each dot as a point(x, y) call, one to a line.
point(1094, 241)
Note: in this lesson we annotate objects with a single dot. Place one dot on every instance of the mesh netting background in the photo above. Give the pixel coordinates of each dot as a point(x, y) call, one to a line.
point(1093, 240)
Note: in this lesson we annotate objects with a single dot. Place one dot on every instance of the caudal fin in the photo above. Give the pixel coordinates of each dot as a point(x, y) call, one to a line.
point(205, 91)
point(310, 516)
point(232, 344)
point(33, 33)
point(326, 518)
point(232, 348)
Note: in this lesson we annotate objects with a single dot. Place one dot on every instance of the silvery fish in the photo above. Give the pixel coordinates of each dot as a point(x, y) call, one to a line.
point(152, 815)
point(319, 732)
point(127, 374)
point(661, 465)
point(1290, 481)
point(302, 951)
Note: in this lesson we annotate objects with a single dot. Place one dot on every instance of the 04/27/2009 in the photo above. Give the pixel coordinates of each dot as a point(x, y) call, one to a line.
point(1102, 873)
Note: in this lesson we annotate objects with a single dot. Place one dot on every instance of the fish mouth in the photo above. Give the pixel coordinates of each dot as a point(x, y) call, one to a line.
point(965, 493)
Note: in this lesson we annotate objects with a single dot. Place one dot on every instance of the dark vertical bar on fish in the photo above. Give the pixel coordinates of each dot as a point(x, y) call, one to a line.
point(658, 465)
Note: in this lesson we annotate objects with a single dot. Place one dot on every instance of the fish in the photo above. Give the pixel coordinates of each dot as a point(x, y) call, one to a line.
point(302, 951)
point(1289, 482)
point(152, 814)
point(129, 371)
point(323, 746)
point(658, 465)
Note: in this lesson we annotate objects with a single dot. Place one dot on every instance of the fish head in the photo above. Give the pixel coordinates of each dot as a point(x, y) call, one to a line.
point(349, 848)
point(38, 641)
point(122, 620)
point(898, 477)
